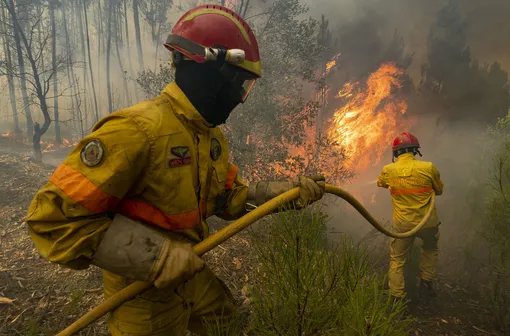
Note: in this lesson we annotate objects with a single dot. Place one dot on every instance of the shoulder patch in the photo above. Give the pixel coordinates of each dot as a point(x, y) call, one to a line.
point(215, 149)
point(92, 153)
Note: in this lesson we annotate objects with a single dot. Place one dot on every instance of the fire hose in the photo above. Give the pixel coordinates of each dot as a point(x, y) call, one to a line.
point(227, 232)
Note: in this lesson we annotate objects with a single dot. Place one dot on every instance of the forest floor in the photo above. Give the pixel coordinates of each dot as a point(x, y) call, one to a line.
point(39, 298)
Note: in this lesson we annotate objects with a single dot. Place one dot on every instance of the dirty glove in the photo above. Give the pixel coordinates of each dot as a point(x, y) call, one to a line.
point(139, 252)
point(178, 264)
point(311, 189)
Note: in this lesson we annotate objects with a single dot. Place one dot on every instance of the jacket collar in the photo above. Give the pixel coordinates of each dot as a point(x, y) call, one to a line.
point(405, 157)
point(184, 110)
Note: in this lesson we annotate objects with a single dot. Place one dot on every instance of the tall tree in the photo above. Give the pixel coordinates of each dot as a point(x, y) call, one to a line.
point(453, 83)
point(77, 117)
point(100, 37)
point(96, 108)
point(108, 49)
point(8, 72)
point(126, 28)
point(136, 18)
point(56, 119)
point(324, 41)
point(118, 40)
point(155, 13)
point(78, 6)
point(35, 51)
point(21, 64)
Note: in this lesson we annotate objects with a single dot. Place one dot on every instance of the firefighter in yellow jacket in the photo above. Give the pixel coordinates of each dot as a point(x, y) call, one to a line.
point(133, 196)
point(411, 183)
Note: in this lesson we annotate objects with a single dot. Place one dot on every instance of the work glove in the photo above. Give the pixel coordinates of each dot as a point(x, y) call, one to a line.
point(311, 189)
point(178, 263)
point(140, 252)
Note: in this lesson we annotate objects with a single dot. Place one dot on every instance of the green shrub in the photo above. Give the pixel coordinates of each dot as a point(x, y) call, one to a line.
point(496, 231)
point(309, 286)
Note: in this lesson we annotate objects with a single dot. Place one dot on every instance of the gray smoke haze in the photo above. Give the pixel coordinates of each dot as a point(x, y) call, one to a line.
point(488, 24)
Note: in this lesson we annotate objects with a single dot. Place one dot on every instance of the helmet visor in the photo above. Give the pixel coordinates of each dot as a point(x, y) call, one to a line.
point(240, 79)
point(246, 88)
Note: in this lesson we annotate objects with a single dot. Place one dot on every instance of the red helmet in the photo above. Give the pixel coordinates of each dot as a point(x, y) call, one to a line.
point(206, 31)
point(405, 140)
point(212, 26)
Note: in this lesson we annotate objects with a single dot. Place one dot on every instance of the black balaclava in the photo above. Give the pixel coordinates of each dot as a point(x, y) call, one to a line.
point(208, 90)
point(401, 151)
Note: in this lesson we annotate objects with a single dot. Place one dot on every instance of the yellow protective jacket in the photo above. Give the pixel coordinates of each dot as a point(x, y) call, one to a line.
point(158, 162)
point(411, 183)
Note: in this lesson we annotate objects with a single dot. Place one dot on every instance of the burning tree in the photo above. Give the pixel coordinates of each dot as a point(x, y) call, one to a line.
point(370, 116)
point(280, 108)
point(38, 47)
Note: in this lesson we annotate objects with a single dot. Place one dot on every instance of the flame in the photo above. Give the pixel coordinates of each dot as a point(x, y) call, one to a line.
point(370, 118)
point(331, 64)
point(46, 146)
point(355, 138)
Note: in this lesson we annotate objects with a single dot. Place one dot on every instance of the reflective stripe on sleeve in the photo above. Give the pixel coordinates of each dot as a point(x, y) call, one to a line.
point(81, 190)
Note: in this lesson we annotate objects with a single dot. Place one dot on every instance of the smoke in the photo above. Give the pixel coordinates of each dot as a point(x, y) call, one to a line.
point(488, 27)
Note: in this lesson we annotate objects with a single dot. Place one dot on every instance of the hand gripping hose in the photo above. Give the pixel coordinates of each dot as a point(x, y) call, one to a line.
point(227, 232)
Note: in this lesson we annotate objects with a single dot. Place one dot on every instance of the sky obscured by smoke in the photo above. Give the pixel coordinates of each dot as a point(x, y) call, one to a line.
point(488, 24)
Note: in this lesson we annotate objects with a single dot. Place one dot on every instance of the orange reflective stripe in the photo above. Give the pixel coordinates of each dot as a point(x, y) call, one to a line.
point(411, 191)
point(231, 176)
point(81, 190)
point(152, 215)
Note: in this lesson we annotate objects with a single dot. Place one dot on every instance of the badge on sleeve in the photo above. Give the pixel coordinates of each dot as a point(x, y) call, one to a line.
point(180, 157)
point(92, 153)
point(215, 149)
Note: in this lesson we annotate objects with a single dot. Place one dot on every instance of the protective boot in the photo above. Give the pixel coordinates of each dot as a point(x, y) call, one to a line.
point(427, 289)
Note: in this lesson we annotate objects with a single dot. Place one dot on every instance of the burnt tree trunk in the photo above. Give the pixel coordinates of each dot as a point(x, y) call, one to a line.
point(41, 94)
point(56, 119)
point(21, 63)
point(118, 32)
point(128, 45)
point(136, 17)
point(90, 62)
point(70, 75)
point(78, 13)
point(108, 50)
point(10, 77)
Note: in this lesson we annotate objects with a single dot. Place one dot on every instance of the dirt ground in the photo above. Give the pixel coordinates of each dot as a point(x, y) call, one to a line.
point(39, 298)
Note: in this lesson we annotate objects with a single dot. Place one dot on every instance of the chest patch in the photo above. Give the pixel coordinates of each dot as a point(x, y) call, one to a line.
point(180, 157)
point(215, 149)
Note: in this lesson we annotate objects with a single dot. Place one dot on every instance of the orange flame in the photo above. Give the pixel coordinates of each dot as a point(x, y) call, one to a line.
point(370, 118)
point(329, 65)
point(46, 146)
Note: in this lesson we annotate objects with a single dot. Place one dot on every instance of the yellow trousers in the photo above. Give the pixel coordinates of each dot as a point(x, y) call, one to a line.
point(399, 253)
point(201, 302)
